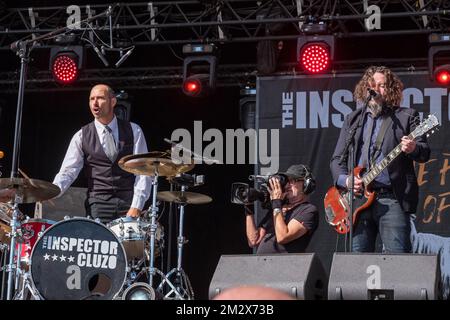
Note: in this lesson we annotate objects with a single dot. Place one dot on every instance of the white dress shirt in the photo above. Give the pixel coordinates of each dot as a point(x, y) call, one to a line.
point(74, 161)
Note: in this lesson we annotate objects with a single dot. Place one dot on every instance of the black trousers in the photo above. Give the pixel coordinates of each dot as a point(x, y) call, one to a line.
point(107, 208)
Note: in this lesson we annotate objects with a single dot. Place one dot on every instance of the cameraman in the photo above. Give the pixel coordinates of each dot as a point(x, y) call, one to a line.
point(289, 225)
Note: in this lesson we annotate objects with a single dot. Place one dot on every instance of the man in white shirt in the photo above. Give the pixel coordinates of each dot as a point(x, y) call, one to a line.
point(98, 146)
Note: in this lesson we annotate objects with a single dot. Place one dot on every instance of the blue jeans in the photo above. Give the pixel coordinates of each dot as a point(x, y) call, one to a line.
point(386, 217)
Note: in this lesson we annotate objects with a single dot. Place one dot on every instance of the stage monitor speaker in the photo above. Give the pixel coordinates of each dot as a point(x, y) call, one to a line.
point(71, 204)
point(302, 276)
point(369, 276)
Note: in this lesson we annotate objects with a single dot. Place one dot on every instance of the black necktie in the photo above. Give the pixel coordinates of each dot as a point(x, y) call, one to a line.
point(367, 139)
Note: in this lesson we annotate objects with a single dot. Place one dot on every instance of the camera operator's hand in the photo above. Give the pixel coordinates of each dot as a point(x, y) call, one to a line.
point(275, 190)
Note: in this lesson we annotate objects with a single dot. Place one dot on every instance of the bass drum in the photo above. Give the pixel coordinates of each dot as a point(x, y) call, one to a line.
point(78, 259)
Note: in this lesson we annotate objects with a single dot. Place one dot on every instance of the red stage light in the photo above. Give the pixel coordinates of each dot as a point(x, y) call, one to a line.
point(196, 85)
point(65, 67)
point(315, 57)
point(192, 86)
point(442, 76)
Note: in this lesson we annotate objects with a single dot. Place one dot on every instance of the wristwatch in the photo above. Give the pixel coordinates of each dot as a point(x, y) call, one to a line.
point(276, 211)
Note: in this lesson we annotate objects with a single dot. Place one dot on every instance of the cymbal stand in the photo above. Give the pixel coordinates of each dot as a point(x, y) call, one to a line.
point(12, 250)
point(153, 228)
point(26, 286)
point(184, 289)
point(4, 248)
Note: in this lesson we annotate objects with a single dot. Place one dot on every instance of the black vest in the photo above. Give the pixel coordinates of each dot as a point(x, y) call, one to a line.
point(104, 177)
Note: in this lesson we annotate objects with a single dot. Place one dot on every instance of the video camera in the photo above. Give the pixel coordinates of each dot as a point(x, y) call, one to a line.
point(242, 193)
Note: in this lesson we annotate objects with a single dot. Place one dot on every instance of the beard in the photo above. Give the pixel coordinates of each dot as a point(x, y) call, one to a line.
point(375, 108)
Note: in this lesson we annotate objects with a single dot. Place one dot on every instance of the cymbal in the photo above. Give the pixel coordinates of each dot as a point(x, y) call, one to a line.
point(5, 213)
point(4, 231)
point(183, 197)
point(148, 164)
point(31, 190)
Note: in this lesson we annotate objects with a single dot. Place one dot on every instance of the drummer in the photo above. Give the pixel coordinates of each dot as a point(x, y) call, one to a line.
point(98, 146)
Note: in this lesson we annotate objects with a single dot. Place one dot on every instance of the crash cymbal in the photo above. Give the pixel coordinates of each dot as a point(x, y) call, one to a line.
point(148, 164)
point(31, 190)
point(183, 197)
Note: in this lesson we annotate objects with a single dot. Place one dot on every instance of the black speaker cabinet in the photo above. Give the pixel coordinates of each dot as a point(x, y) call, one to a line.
point(300, 275)
point(367, 276)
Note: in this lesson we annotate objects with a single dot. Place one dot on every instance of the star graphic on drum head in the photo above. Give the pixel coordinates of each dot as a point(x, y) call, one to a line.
point(71, 259)
point(55, 257)
point(62, 258)
point(46, 257)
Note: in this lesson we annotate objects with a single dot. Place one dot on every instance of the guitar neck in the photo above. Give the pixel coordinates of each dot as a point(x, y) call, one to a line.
point(379, 167)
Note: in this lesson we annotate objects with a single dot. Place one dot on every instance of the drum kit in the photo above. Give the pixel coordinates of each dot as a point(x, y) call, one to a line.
point(83, 259)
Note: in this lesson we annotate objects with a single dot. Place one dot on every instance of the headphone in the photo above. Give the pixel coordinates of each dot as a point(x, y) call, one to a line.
point(309, 183)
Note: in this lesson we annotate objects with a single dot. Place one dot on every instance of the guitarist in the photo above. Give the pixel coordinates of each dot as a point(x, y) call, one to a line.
point(378, 129)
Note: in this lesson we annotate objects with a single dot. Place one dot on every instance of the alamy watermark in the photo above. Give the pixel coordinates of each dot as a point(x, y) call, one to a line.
point(235, 146)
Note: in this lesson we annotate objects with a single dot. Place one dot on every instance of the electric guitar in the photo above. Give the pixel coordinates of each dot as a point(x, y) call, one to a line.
point(336, 199)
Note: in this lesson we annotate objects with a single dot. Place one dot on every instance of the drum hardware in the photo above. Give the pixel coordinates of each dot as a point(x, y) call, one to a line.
point(24, 286)
point(183, 197)
point(12, 252)
point(139, 291)
point(156, 164)
point(180, 278)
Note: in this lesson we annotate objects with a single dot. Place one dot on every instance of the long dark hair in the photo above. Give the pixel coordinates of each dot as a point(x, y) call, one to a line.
point(394, 86)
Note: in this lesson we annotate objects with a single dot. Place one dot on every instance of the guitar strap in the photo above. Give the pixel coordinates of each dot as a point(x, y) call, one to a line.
point(377, 148)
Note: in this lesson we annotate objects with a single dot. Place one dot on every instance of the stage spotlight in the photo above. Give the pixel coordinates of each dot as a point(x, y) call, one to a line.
point(442, 75)
point(439, 46)
point(65, 64)
point(139, 291)
point(200, 56)
point(196, 85)
point(315, 53)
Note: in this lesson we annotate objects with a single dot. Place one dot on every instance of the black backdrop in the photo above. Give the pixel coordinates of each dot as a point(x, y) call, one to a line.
point(309, 112)
point(51, 118)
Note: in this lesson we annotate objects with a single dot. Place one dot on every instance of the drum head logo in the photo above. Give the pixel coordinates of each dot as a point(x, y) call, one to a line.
point(78, 259)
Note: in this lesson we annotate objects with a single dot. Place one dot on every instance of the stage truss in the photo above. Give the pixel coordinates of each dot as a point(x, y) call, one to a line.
point(148, 25)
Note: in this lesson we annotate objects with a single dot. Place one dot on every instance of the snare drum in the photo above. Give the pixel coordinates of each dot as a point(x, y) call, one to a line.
point(134, 235)
point(30, 232)
point(78, 259)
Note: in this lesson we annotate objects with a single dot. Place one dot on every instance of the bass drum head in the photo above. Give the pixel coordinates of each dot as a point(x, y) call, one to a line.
point(78, 259)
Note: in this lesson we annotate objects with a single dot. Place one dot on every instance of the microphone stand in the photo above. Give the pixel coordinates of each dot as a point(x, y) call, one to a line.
point(350, 144)
point(23, 49)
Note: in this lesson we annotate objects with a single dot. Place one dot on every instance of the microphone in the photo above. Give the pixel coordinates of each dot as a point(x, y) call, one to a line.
point(372, 93)
point(101, 56)
point(124, 57)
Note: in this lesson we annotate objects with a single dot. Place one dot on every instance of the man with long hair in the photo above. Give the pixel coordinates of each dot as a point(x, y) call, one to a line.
point(379, 126)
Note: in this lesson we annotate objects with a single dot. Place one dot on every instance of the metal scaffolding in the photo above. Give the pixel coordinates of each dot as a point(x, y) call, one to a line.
point(224, 22)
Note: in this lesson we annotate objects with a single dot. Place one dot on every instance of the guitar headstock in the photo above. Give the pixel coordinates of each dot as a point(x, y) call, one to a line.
point(426, 126)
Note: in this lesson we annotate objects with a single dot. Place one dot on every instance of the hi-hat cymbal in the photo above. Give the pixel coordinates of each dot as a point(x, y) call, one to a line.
point(152, 163)
point(183, 197)
point(30, 190)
